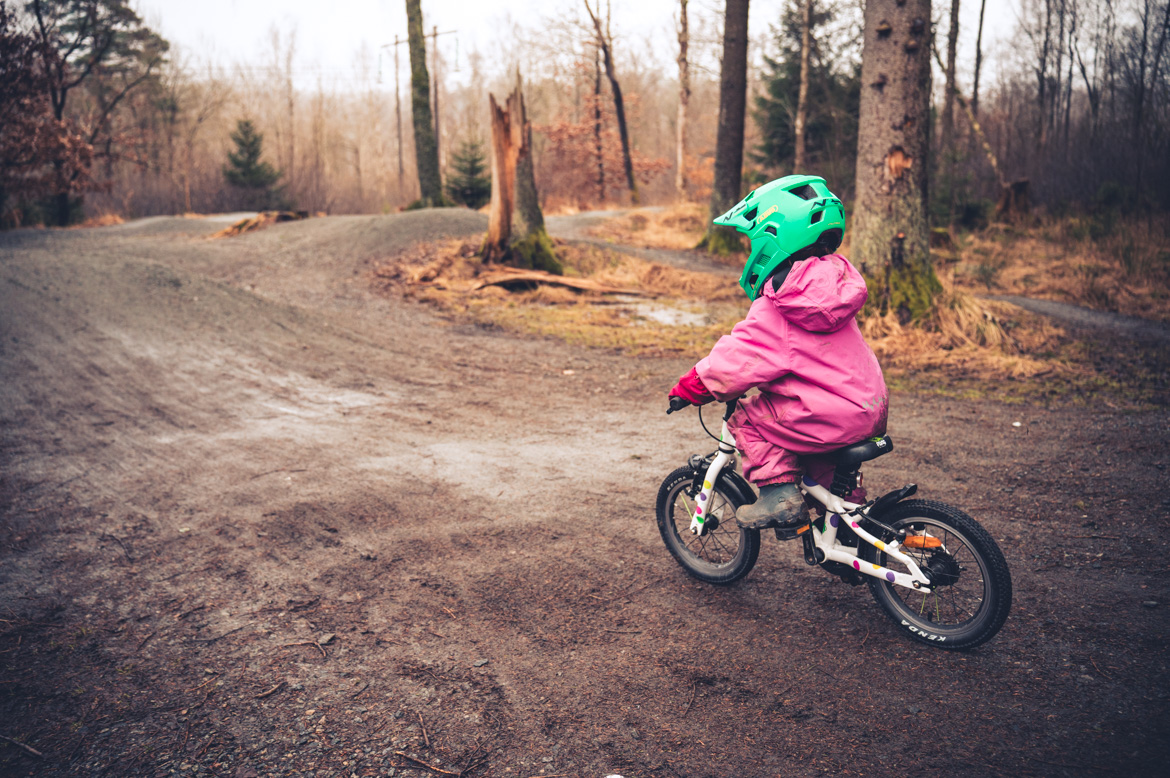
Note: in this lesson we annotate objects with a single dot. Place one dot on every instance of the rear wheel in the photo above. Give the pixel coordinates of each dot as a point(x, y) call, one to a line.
point(725, 553)
point(971, 590)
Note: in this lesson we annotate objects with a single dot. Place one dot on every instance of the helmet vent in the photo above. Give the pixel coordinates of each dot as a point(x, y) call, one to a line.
point(750, 214)
point(770, 229)
point(816, 217)
point(805, 192)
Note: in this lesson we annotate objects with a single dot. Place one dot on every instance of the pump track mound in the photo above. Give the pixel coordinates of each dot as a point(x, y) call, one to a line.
point(256, 520)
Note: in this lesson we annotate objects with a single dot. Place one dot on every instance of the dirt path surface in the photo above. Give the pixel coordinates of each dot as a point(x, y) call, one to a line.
point(255, 520)
point(1081, 317)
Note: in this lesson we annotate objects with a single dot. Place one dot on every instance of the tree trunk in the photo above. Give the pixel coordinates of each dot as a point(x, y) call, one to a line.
point(798, 163)
point(516, 233)
point(978, 60)
point(605, 41)
point(725, 191)
point(527, 217)
point(684, 98)
point(890, 238)
point(600, 151)
point(947, 141)
point(426, 152)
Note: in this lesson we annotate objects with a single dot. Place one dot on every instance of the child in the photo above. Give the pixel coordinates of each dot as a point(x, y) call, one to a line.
point(820, 386)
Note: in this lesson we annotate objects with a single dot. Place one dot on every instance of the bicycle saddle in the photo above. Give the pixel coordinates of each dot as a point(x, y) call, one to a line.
point(868, 449)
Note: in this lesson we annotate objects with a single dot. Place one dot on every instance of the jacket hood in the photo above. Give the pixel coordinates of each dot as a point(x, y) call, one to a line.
point(820, 294)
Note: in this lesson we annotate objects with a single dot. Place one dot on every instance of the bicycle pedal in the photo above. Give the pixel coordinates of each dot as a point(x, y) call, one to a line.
point(790, 533)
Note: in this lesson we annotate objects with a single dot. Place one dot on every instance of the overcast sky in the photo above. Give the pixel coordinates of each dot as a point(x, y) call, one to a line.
point(329, 33)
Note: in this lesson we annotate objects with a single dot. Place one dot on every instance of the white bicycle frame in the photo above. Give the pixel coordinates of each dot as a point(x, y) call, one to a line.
point(837, 510)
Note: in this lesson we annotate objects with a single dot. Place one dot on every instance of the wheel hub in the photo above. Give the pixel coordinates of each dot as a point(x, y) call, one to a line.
point(942, 569)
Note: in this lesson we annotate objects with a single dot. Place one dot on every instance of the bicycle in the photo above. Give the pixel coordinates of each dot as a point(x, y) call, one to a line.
point(933, 569)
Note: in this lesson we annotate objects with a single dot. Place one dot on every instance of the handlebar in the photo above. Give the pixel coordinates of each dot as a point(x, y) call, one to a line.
point(678, 403)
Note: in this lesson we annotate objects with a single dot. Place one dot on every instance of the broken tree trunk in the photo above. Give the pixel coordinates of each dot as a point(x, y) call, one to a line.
point(516, 234)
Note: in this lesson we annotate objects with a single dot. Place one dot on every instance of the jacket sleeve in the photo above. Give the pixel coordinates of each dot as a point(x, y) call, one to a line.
point(754, 353)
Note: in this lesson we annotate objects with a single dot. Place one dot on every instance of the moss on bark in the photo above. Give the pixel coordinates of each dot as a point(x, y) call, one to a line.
point(908, 291)
point(723, 241)
point(535, 251)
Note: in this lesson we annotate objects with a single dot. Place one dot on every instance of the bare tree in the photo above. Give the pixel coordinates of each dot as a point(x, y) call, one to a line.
point(684, 98)
point(978, 59)
point(725, 191)
point(597, 126)
point(890, 230)
point(947, 141)
point(605, 42)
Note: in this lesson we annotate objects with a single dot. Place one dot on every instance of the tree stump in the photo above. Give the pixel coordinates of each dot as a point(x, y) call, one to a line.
point(1014, 201)
point(516, 234)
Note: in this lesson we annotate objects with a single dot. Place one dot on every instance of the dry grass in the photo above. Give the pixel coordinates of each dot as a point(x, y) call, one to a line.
point(678, 227)
point(677, 312)
point(965, 336)
point(258, 222)
point(968, 347)
point(102, 220)
point(1068, 259)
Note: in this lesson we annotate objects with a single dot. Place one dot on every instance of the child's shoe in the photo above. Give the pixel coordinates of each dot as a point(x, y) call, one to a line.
point(779, 505)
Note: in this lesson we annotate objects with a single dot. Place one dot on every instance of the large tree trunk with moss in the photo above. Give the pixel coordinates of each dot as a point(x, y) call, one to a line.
point(725, 190)
point(890, 236)
point(426, 151)
point(516, 233)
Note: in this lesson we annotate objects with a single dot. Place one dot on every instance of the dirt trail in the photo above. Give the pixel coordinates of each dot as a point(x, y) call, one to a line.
point(256, 520)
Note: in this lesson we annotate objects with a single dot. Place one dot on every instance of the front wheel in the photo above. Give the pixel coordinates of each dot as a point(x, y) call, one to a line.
point(725, 553)
point(971, 590)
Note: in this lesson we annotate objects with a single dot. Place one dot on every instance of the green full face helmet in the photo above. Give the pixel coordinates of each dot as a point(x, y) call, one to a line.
point(794, 217)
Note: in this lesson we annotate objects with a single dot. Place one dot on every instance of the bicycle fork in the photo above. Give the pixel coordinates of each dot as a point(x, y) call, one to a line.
point(725, 454)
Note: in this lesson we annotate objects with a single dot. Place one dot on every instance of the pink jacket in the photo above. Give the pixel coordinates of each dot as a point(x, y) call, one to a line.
point(820, 384)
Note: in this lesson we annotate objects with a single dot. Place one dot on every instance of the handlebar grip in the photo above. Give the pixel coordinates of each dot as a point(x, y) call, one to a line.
point(677, 404)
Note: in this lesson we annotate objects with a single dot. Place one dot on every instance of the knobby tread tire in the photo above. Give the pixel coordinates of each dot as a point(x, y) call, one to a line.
point(748, 548)
point(993, 612)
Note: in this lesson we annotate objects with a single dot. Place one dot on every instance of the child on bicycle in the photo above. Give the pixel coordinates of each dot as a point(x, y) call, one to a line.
point(820, 386)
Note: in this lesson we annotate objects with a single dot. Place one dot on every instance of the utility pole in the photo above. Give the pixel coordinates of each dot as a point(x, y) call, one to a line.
point(435, 92)
point(434, 36)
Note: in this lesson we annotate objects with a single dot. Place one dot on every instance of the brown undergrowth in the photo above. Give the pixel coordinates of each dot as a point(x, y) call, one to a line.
point(967, 347)
point(649, 308)
point(680, 226)
point(1098, 261)
point(973, 347)
point(258, 222)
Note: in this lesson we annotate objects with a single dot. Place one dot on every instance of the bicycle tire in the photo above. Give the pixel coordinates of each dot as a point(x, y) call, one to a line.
point(973, 583)
point(726, 552)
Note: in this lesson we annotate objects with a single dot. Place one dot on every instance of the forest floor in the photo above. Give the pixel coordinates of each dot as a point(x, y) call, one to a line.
point(261, 515)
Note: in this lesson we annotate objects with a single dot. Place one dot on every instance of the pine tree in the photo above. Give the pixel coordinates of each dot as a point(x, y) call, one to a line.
point(834, 92)
point(245, 171)
point(469, 182)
